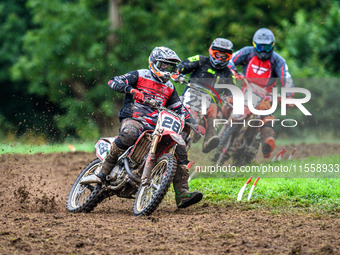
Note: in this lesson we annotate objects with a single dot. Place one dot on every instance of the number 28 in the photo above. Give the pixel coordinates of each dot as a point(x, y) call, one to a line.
point(171, 124)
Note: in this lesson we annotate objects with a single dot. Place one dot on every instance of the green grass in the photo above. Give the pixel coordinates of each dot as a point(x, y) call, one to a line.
point(312, 167)
point(305, 191)
point(278, 195)
point(20, 148)
point(24, 148)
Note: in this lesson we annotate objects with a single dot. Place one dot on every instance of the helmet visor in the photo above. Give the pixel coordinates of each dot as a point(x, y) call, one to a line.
point(263, 47)
point(166, 66)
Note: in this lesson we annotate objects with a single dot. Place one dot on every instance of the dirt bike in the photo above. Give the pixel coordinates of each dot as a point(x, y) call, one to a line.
point(241, 142)
point(143, 172)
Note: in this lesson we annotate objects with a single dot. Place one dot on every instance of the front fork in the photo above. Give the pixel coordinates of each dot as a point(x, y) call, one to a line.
point(151, 159)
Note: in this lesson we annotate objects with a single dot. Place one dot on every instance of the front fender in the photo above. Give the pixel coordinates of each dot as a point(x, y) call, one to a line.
point(176, 138)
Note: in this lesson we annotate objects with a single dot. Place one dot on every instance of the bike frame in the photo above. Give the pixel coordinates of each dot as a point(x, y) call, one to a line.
point(165, 138)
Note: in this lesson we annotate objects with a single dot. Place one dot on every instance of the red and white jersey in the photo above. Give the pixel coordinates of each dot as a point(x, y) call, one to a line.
point(263, 73)
point(144, 81)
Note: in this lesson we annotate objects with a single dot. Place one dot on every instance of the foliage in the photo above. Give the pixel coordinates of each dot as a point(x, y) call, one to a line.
point(14, 21)
point(65, 56)
point(312, 50)
point(61, 53)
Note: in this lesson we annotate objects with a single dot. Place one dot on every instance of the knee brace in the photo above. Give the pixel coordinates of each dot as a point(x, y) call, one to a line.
point(128, 136)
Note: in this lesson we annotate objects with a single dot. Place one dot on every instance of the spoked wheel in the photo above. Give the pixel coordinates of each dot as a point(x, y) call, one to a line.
point(84, 198)
point(150, 196)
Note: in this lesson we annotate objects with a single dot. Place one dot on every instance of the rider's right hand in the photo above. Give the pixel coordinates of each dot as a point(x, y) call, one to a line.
point(177, 77)
point(137, 95)
point(237, 76)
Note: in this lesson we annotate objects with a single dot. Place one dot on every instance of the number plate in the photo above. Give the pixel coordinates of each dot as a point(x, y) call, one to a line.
point(171, 123)
point(102, 147)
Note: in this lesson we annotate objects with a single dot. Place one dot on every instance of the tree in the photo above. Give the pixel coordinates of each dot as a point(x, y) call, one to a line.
point(312, 51)
point(64, 60)
point(70, 49)
point(14, 99)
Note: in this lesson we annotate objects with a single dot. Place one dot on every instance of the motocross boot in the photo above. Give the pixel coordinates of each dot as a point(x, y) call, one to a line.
point(183, 197)
point(211, 140)
point(105, 169)
point(268, 141)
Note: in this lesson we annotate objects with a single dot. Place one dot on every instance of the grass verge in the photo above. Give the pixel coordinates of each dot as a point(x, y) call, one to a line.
point(19, 148)
point(278, 195)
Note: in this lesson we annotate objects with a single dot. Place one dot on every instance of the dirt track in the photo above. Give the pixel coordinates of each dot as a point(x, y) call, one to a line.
point(34, 219)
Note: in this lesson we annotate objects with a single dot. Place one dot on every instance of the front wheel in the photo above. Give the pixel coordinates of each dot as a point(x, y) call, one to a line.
point(84, 198)
point(150, 196)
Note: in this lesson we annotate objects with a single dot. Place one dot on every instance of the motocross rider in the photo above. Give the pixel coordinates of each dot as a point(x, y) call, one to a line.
point(138, 85)
point(262, 65)
point(209, 71)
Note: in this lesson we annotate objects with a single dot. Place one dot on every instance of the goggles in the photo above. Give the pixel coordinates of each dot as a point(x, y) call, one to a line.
point(263, 47)
point(219, 55)
point(165, 66)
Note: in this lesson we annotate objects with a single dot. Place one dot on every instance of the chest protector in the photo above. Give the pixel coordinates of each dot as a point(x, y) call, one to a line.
point(258, 71)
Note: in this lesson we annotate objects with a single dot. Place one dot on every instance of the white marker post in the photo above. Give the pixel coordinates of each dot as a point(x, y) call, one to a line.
point(193, 173)
point(240, 194)
point(252, 188)
point(291, 155)
point(279, 155)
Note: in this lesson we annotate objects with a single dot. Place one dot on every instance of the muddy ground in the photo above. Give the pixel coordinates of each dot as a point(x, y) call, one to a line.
point(34, 219)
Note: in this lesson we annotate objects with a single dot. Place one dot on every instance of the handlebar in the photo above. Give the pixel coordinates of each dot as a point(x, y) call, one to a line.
point(153, 103)
point(192, 126)
point(158, 106)
point(181, 78)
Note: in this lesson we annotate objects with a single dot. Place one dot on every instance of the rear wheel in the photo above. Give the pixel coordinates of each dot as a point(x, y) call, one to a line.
point(150, 196)
point(84, 198)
